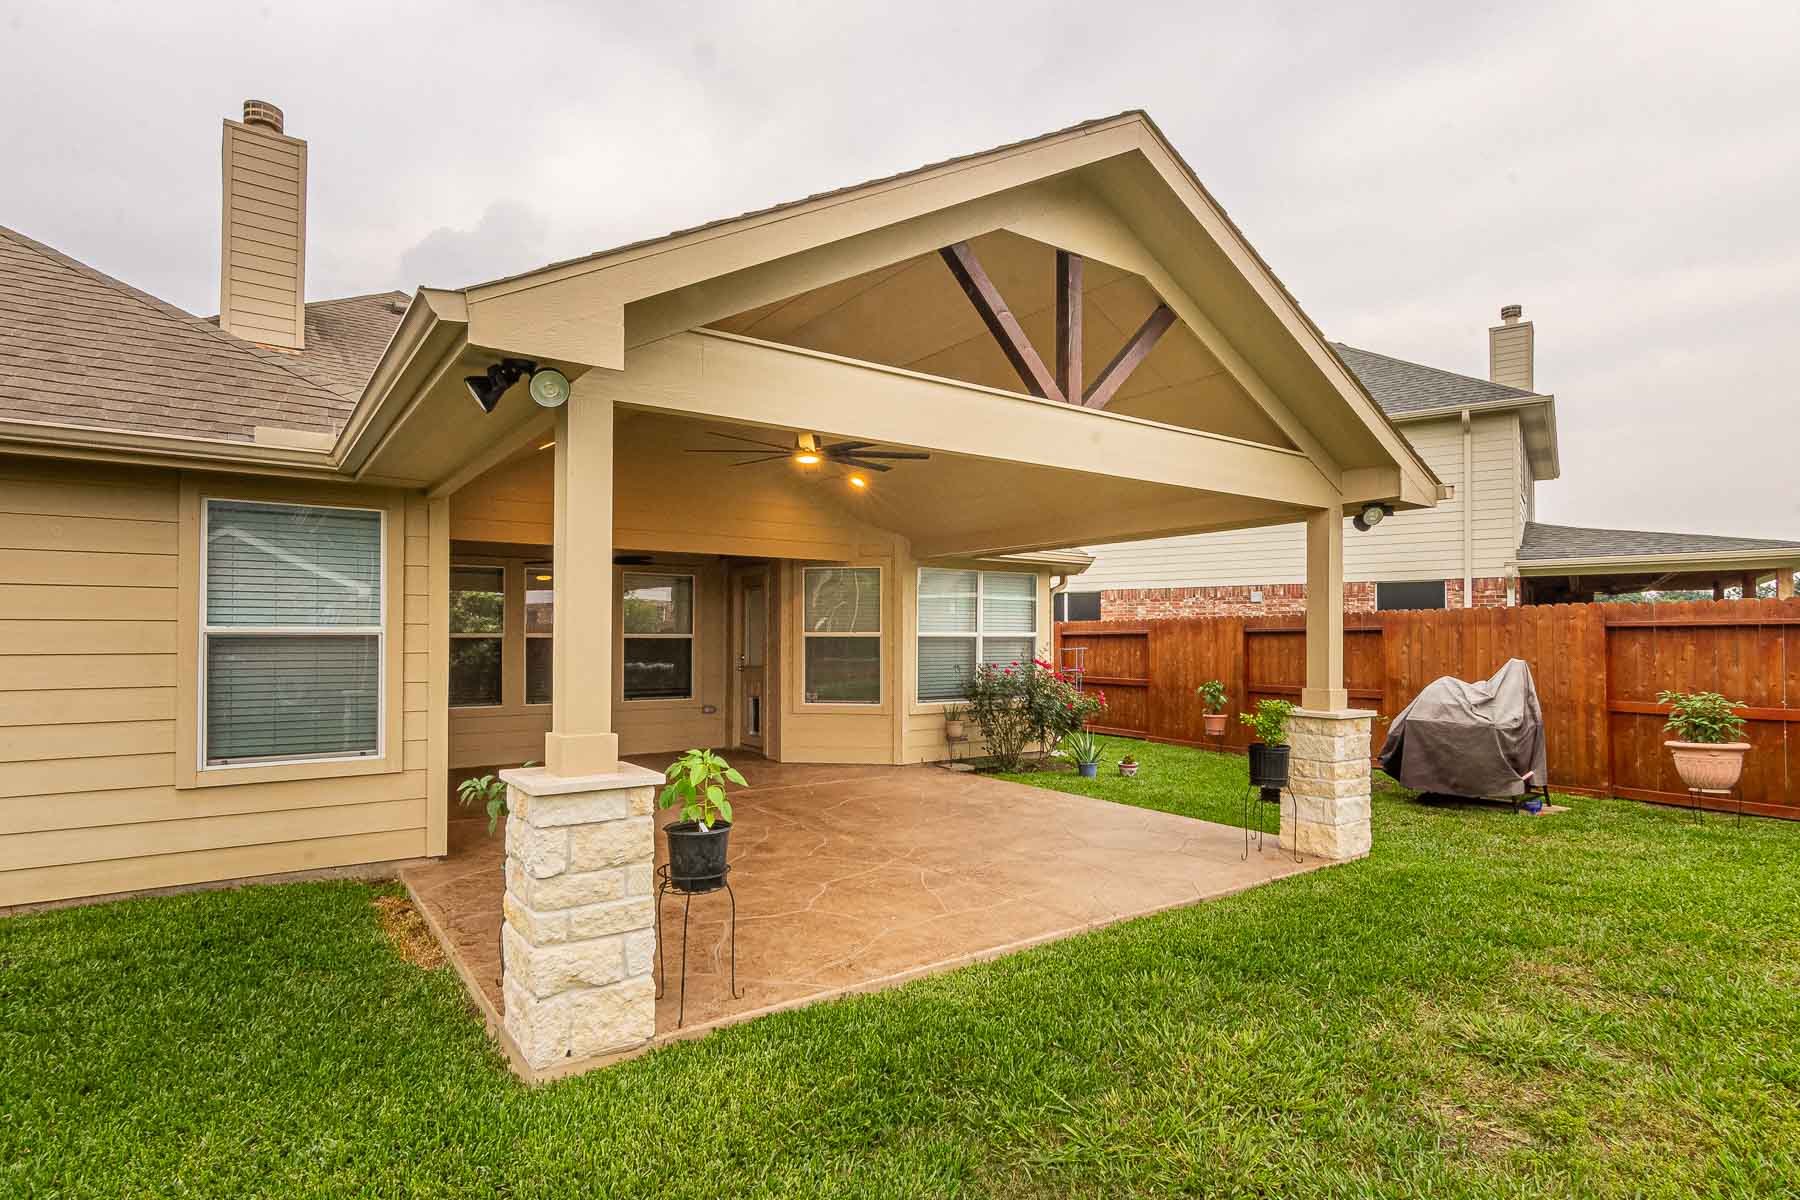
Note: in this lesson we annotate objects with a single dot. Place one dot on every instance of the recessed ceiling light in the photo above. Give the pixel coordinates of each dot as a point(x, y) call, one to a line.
point(546, 445)
point(857, 481)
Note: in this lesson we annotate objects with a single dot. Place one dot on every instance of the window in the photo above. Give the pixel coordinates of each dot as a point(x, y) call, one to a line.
point(540, 627)
point(971, 617)
point(477, 631)
point(842, 628)
point(658, 629)
point(291, 655)
point(1426, 593)
point(1078, 606)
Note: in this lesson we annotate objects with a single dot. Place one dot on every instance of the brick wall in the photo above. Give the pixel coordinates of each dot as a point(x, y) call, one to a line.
point(1278, 599)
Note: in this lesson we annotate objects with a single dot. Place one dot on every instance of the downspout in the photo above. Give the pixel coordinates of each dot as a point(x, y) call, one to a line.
point(1468, 508)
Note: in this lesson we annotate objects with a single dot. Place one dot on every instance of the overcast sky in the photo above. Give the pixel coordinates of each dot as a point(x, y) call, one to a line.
point(1629, 172)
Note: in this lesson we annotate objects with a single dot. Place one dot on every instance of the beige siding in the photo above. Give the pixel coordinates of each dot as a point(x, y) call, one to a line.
point(90, 692)
point(1425, 544)
point(262, 270)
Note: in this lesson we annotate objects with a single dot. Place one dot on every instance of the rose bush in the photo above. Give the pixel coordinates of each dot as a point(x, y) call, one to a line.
point(1018, 704)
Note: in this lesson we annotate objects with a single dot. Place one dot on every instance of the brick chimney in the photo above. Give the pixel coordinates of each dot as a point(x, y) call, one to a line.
point(1510, 349)
point(262, 267)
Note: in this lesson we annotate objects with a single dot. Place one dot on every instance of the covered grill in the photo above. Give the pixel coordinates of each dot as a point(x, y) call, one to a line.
point(1471, 739)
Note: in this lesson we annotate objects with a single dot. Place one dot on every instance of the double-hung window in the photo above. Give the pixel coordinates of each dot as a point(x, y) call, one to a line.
point(841, 618)
point(477, 635)
point(967, 618)
point(658, 628)
point(291, 635)
point(540, 630)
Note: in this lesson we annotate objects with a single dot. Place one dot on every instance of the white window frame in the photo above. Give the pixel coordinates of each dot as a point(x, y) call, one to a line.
point(879, 635)
point(524, 624)
point(689, 636)
point(980, 634)
point(485, 637)
point(207, 630)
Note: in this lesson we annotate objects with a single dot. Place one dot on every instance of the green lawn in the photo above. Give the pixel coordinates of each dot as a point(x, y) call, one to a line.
point(1601, 1003)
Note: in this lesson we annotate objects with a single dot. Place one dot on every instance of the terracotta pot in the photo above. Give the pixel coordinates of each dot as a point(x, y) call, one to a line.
point(1709, 765)
point(953, 730)
point(1215, 724)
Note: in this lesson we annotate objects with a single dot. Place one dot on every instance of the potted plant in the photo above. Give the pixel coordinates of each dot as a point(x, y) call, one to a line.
point(1212, 697)
point(954, 716)
point(1082, 748)
point(697, 842)
point(1128, 766)
point(1269, 752)
point(1708, 755)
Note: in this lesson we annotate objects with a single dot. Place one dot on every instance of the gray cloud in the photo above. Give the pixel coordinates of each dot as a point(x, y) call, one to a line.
point(1627, 171)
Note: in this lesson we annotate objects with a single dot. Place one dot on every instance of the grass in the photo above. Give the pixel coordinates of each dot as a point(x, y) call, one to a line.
point(1600, 1003)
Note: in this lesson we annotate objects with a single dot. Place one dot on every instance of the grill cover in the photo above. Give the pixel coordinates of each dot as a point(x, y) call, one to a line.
point(1470, 739)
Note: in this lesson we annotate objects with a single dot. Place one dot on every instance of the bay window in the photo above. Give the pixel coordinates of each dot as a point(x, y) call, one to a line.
point(841, 628)
point(970, 618)
point(292, 613)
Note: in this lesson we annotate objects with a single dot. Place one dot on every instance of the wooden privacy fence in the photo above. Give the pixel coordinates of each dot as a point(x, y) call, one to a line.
point(1598, 669)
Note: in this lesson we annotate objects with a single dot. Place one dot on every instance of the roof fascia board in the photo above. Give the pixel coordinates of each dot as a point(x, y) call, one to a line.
point(173, 451)
point(431, 315)
point(1613, 563)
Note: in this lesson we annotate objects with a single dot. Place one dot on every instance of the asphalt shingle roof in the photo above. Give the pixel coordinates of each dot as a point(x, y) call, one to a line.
point(78, 347)
point(1571, 541)
point(1402, 387)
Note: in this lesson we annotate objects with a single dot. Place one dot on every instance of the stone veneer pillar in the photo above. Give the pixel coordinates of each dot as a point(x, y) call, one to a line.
point(1329, 779)
point(579, 936)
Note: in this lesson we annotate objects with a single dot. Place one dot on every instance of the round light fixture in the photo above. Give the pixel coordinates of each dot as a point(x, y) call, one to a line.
point(549, 388)
point(1371, 516)
point(858, 482)
point(807, 458)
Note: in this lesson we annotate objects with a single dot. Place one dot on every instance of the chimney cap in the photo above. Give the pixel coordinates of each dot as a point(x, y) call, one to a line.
point(261, 112)
point(1511, 312)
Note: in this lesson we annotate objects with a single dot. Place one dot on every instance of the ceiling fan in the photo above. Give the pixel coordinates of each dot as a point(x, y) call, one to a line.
point(809, 450)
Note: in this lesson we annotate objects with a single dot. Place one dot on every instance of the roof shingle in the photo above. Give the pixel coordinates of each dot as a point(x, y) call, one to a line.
point(1402, 387)
point(1554, 542)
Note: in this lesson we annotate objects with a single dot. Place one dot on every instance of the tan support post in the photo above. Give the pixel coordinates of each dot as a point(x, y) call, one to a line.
point(1324, 690)
point(1784, 583)
point(581, 740)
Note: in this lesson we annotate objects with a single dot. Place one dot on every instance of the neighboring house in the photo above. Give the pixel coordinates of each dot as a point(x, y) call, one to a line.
point(269, 581)
point(1493, 440)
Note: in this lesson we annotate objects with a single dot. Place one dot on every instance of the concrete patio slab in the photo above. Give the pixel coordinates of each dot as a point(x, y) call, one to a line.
point(851, 878)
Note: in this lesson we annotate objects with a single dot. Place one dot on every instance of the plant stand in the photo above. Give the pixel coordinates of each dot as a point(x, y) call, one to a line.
point(1697, 795)
point(667, 884)
point(1252, 802)
point(950, 744)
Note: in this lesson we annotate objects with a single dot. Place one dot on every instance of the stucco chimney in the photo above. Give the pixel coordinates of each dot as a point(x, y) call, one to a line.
point(1510, 349)
point(262, 266)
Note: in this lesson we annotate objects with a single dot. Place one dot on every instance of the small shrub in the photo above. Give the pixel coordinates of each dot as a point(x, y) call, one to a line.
point(1269, 721)
point(1705, 717)
point(1021, 704)
point(489, 791)
point(698, 779)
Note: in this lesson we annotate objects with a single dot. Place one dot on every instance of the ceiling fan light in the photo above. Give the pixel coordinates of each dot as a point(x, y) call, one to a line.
point(807, 458)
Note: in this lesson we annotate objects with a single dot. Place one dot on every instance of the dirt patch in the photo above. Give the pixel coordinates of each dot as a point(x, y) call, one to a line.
point(407, 930)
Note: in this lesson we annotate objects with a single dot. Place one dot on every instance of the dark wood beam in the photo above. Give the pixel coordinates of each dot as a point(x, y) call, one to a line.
point(1068, 323)
point(1126, 360)
point(1000, 321)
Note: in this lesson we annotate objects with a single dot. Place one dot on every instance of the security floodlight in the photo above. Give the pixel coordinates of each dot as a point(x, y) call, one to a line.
point(1371, 516)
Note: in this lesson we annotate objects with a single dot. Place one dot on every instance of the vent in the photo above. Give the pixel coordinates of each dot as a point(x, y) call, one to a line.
point(261, 112)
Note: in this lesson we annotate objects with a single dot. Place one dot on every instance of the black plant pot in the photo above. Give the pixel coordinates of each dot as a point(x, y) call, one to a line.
point(696, 855)
point(1269, 770)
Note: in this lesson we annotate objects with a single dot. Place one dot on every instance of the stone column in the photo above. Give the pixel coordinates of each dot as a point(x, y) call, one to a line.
point(1329, 778)
point(579, 936)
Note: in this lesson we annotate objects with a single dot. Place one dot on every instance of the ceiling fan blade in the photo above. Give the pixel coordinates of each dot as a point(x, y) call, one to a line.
point(843, 447)
point(906, 454)
point(864, 464)
point(753, 441)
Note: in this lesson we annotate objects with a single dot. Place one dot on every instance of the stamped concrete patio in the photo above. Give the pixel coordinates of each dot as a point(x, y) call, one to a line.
point(852, 878)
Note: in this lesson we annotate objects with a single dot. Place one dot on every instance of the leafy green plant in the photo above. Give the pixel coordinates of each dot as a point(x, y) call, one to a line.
point(1080, 747)
point(1212, 695)
point(1128, 761)
point(1705, 717)
point(1020, 704)
point(489, 791)
point(1269, 721)
point(955, 712)
point(698, 780)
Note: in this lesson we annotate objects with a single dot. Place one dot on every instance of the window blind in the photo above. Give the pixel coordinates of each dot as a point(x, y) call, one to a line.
point(843, 600)
point(947, 600)
point(946, 664)
point(1008, 602)
point(286, 565)
point(274, 690)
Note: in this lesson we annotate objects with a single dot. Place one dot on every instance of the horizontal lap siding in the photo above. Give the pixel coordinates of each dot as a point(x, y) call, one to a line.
point(89, 574)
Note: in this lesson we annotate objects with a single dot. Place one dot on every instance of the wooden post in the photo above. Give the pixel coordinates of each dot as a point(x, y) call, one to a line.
point(1068, 324)
point(1324, 690)
point(1748, 584)
point(1784, 583)
point(581, 740)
